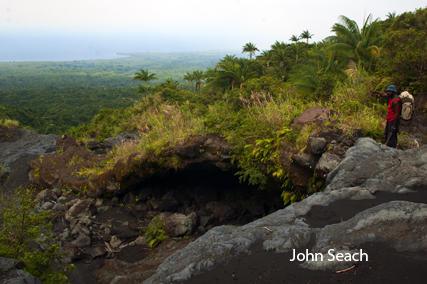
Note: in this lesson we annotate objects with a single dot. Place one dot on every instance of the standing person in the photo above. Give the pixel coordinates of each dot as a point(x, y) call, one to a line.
point(394, 106)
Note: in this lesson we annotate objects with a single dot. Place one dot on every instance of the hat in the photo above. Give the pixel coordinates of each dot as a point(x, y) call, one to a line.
point(391, 88)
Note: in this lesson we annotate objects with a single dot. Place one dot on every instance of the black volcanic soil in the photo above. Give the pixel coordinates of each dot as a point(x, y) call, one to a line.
point(343, 210)
point(385, 264)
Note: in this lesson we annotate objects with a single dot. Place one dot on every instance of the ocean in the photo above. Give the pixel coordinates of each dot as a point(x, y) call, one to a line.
point(63, 47)
point(72, 46)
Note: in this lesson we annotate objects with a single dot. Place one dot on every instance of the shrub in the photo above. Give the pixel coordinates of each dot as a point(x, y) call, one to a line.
point(155, 234)
point(21, 227)
point(257, 132)
point(8, 123)
point(356, 108)
point(75, 160)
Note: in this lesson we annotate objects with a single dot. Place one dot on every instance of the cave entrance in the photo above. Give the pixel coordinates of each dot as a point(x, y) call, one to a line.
point(211, 192)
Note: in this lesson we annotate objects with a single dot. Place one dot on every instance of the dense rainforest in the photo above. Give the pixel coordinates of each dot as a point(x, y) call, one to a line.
point(51, 97)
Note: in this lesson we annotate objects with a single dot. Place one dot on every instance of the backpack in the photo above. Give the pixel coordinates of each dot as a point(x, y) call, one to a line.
point(407, 109)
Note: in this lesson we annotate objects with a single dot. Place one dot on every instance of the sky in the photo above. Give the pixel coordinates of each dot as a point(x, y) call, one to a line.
point(180, 25)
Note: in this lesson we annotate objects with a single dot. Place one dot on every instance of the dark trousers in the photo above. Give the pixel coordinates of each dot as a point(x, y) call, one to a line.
point(393, 139)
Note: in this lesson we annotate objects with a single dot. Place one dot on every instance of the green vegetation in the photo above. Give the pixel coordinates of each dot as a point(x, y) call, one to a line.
point(57, 109)
point(252, 102)
point(20, 228)
point(159, 124)
point(306, 35)
point(250, 48)
point(143, 76)
point(358, 46)
point(406, 51)
point(8, 122)
point(52, 97)
point(273, 89)
point(102, 73)
point(155, 234)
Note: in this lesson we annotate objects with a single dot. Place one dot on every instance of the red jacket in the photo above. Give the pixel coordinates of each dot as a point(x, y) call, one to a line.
point(390, 109)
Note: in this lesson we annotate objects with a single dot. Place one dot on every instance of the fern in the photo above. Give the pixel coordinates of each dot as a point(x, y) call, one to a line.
point(155, 234)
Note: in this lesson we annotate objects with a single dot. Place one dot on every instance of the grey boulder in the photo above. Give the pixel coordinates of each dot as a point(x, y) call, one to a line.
point(316, 145)
point(180, 225)
point(377, 167)
point(327, 163)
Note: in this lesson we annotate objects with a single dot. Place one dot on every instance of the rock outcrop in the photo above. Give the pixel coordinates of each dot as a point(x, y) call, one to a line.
point(17, 143)
point(378, 167)
point(10, 273)
point(18, 147)
point(60, 169)
point(323, 151)
point(127, 136)
point(367, 168)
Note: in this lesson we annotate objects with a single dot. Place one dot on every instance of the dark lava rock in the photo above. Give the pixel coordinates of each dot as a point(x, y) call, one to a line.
point(316, 145)
point(305, 160)
point(126, 136)
point(64, 142)
point(204, 195)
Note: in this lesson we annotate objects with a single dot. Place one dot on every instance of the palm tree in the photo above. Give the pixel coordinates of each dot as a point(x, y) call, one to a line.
point(325, 62)
point(239, 73)
point(250, 48)
point(189, 77)
point(306, 35)
point(307, 75)
point(172, 83)
point(266, 57)
point(296, 49)
point(143, 76)
point(281, 58)
point(198, 76)
point(391, 15)
point(306, 79)
point(278, 45)
point(216, 80)
point(227, 59)
point(360, 45)
point(294, 38)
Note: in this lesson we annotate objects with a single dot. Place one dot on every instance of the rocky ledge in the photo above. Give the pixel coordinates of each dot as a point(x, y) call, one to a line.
point(56, 170)
point(61, 169)
point(18, 147)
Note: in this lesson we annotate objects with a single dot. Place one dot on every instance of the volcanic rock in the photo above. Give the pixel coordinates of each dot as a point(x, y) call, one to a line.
point(365, 170)
point(180, 225)
point(316, 145)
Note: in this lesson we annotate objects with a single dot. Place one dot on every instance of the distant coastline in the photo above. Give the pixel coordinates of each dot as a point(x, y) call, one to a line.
point(116, 55)
point(204, 52)
point(68, 57)
point(26, 46)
